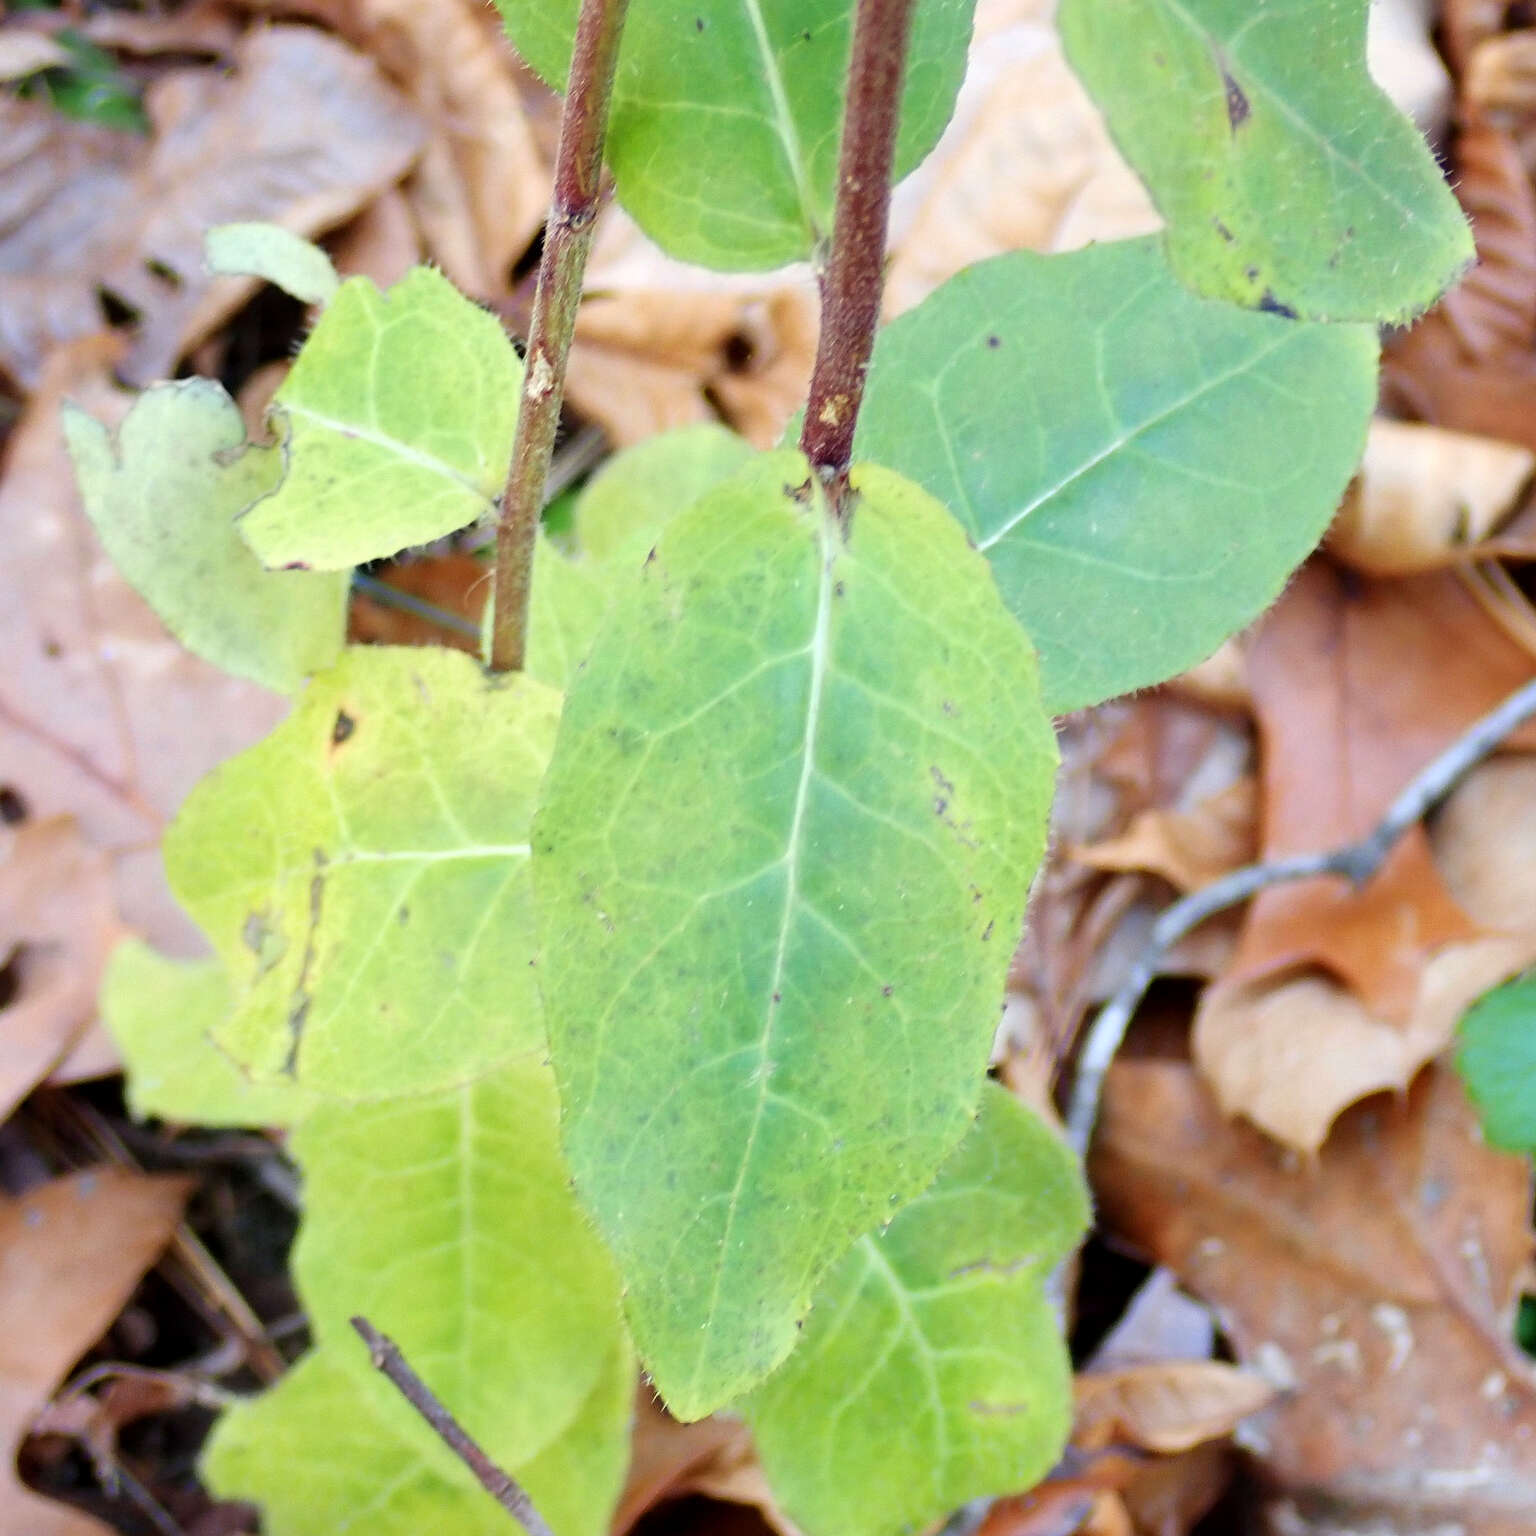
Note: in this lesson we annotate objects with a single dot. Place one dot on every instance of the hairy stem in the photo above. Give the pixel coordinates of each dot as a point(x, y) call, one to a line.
point(567, 238)
point(852, 279)
point(502, 1486)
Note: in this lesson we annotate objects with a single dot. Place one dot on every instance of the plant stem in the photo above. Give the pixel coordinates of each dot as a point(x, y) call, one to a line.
point(502, 1486)
point(567, 238)
point(853, 277)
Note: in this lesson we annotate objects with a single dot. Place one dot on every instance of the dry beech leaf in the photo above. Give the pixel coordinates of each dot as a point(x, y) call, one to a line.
point(1166, 1407)
point(1484, 839)
point(660, 344)
point(302, 134)
point(105, 717)
point(1187, 848)
point(1357, 685)
point(1500, 75)
point(1291, 1054)
point(57, 926)
point(1026, 163)
point(1467, 365)
point(1426, 497)
point(480, 190)
point(71, 1253)
point(1466, 23)
point(382, 242)
point(1375, 1288)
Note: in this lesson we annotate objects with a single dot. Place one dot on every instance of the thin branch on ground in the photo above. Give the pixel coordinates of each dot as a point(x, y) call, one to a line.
point(502, 1486)
point(854, 276)
point(1357, 862)
point(567, 239)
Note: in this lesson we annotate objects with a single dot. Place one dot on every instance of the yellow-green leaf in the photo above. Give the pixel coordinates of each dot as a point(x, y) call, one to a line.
point(798, 794)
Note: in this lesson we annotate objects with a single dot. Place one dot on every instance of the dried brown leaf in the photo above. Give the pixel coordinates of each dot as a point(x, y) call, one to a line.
point(302, 134)
point(1375, 1288)
point(71, 1253)
point(1426, 498)
point(103, 716)
point(1026, 163)
point(57, 926)
point(1358, 684)
point(1187, 848)
point(1169, 1406)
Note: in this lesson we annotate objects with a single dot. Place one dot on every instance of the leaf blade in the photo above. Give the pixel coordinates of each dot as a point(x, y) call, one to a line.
point(1233, 114)
point(1173, 458)
point(749, 908)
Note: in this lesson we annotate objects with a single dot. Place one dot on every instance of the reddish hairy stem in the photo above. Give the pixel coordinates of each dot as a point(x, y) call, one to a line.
point(852, 280)
point(567, 238)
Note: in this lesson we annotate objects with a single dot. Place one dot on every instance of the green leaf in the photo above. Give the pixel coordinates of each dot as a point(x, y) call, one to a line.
point(333, 1447)
point(397, 422)
point(727, 113)
point(797, 797)
point(274, 254)
point(1496, 1059)
point(565, 608)
point(449, 1222)
point(162, 1013)
point(163, 496)
point(638, 491)
point(363, 874)
point(931, 1370)
point(1141, 467)
point(1288, 179)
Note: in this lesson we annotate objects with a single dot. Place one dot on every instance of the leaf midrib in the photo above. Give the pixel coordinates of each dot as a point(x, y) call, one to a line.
point(819, 652)
point(392, 445)
point(783, 118)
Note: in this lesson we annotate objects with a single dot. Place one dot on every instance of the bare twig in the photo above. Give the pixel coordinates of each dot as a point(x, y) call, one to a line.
point(501, 1486)
point(852, 280)
point(1357, 862)
point(567, 238)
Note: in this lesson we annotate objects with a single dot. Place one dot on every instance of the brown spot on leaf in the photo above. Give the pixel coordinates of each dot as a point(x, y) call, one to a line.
point(343, 728)
point(1238, 109)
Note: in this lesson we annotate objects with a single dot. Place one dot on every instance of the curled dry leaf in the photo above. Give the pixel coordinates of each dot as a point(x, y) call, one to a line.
point(303, 134)
point(481, 188)
point(1026, 163)
point(71, 1253)
point(660, 344)
point(1426, 497)
point(1467, 364)
point(1171, 1406)
point(1187, 848)
point(1291, 1054)
point(1357, 685)
point(105, 717)
point(1376, 1289)
point(58, 924)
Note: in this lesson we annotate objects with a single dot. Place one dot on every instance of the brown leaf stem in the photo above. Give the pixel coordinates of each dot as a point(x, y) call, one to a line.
point(852, 279)
point(502, 1486)
point(567, 239)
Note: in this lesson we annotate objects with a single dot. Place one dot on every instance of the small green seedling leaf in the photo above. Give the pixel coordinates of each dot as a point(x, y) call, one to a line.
point(333, 1447)
point(363, 874)
point(274, 254)
point(162, 1014)
point(1288, 179)
point(637, 492)
point(931, 1370)
point(1496, 1058)
point(396, 423)
point(727, 115)
point(449, 1221)
point(1169, 460)
point(163, 496)
point(798, 795)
